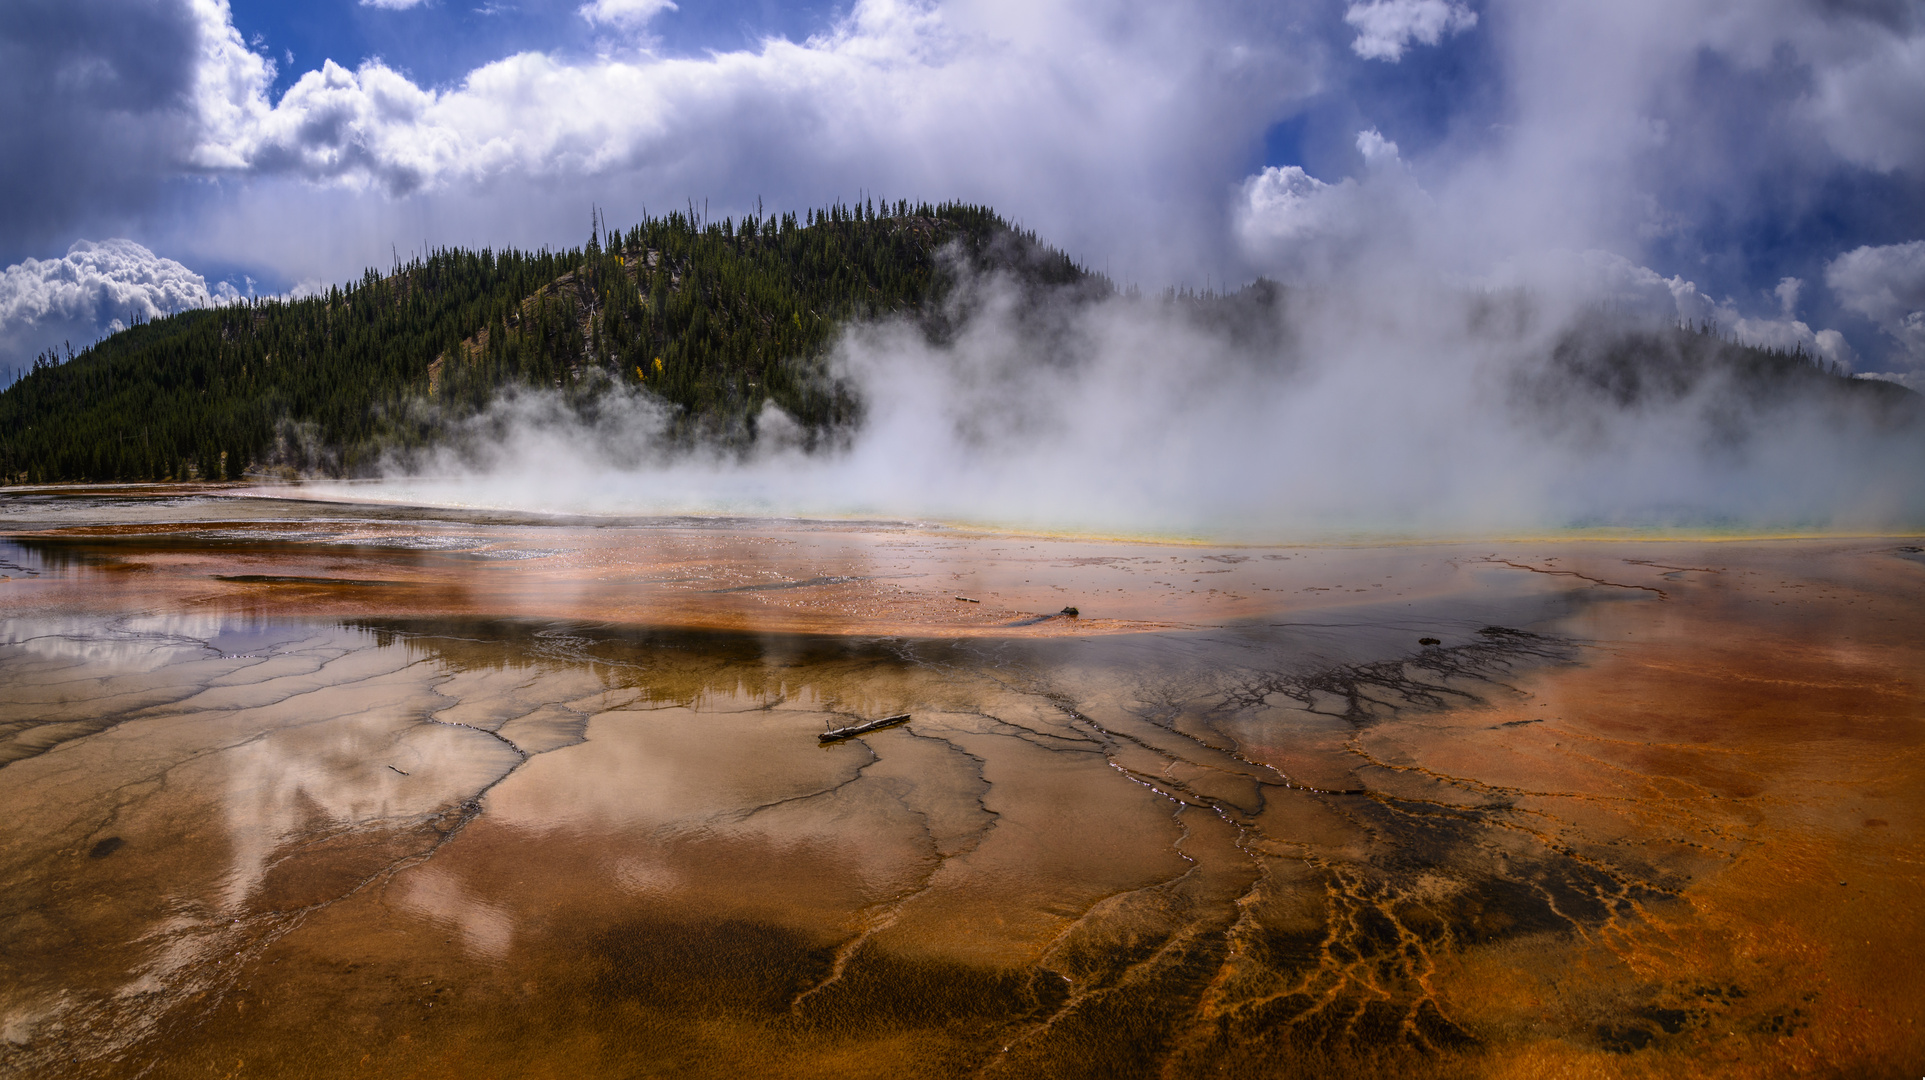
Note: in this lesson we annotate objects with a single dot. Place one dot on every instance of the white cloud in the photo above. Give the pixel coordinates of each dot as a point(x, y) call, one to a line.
point(1285, 203)
point(1151, 106)
point(1832, 345)
point(1869, 101)
point(625, 13)
point(1910, 380)
point(1886, 284)
point(1789, 334)
point(1787, 294)
point(95, 289)
point(1610, 279)
point(1293, 225)
point(1386, 27)
point(1378, 152)
point(1298, 228)
point(533, 113)
point(229, 86)
point(393, 5)
point(1630, 287)
point(1114, 128)
point(1117, 130)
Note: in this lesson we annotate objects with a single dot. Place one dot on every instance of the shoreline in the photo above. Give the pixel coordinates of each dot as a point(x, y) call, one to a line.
point(302, 493)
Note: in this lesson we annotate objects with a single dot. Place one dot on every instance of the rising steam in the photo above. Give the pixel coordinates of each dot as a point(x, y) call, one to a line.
point(1388, 404)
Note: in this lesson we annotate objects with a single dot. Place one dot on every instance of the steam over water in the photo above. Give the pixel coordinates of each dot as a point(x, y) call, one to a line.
point(1401, 408)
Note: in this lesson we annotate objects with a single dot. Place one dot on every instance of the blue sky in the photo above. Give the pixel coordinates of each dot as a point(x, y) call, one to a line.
point(1704, 152)
point(439, 41)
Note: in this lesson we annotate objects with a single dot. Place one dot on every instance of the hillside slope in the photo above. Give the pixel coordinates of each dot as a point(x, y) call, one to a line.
point(713, 317)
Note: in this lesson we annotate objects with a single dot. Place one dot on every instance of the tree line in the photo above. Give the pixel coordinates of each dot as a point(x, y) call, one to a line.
point(713, 317)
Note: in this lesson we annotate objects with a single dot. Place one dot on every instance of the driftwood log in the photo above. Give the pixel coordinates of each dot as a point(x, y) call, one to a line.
point(838, 734)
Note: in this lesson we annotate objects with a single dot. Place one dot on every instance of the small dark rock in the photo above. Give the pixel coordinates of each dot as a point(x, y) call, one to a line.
point(1623, 1040)
point(1071, 612)
point(106, 847)
point(1428, 641)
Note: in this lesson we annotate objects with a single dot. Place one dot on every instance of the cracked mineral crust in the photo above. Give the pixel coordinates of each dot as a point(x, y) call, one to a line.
point(339, 791)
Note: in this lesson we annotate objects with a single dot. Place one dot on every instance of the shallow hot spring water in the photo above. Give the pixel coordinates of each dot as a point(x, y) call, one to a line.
point(294, 789)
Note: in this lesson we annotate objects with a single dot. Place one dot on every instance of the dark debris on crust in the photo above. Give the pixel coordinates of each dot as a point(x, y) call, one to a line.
point(1426, 681)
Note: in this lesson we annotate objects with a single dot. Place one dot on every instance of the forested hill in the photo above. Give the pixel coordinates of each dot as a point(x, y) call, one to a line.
point(714, 317)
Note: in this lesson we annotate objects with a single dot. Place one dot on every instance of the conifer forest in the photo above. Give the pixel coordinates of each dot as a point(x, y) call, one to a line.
point(713, 318)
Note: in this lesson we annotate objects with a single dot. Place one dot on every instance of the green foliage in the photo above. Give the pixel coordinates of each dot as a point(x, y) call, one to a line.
point(713, 317)
point(208, 392)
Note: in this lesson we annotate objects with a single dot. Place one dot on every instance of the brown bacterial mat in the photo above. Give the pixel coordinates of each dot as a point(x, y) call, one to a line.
point(330, 792)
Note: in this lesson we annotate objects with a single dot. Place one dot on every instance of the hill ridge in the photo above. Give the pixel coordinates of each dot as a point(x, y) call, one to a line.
point(738, 312)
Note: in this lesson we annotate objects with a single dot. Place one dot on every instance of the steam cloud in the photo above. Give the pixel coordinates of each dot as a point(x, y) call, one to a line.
point(1325, 412)
point(1603, 143)
point(1404, 383)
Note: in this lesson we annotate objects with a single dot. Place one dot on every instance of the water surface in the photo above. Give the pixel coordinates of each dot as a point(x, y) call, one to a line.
point(338, 791)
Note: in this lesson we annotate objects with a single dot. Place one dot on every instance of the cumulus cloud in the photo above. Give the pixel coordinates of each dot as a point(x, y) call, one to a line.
point(1625, 285)
point(1151, 106)
point(1886, 284)
point(1123, 132)
point(1787, 294)
point(1297, 227)
point(1118, 130)
point(624, 13)
point(1616, 282)
point(1385, 28)
point(1648, 127)
point(1284, 207)
point(1789, 335)
point(1382, 229)
point(1910, 380)
point(1687, 130)
point(93, 290)
point(1869, 100)
point(1832, 345)
point(1074, 116)
point(1378, 152)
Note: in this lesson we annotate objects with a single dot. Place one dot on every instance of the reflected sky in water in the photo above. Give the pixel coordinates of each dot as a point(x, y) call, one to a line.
point(1445, 809)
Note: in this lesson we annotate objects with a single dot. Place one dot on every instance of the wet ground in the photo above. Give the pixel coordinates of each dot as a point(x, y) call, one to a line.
point(336, 790)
